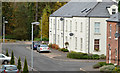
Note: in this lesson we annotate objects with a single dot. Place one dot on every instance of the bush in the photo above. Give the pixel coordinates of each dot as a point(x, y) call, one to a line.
point(12, 62)
point(97, 65)
point(25, 69)
point(79, 55)
point(95, 56)
point(107, 68)
point(102, 56)
point(7, 54)
point(50, 45)
point(54, 46)
point(64, 50)
point(100, 64)
point(19, 64)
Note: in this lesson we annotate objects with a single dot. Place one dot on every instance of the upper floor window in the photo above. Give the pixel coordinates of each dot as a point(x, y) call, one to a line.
point(97, 27)
point(54, 23)
point(81, 27)
point(113, 11)
point(51, 24)
point(116, 28)
point(110, 29)
point(66, 25)
point(58, 25)
point(70, 26)
point(76, 26)
point(61, 25)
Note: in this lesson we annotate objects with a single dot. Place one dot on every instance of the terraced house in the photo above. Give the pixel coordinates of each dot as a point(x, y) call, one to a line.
point(82, 23)
point(113, 39)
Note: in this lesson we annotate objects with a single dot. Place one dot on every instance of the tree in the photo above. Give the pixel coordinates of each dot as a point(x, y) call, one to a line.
point(25, 69)
point(19, 64)
point(7, 53)
point(119, 6)
point(12, 62)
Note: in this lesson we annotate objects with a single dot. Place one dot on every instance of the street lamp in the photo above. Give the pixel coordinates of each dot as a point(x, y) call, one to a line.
point(4, 29)
point(62, 19)
point(33, 23)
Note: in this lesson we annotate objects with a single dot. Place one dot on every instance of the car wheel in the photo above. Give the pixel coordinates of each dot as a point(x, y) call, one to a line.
point(5, 62)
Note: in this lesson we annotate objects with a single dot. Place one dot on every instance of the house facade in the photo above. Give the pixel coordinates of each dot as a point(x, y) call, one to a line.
point(83, 25)
point(113, 39)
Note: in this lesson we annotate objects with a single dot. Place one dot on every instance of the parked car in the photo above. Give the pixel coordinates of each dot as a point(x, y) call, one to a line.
point(35, 44)
point(43, 48)
point(9, 69)
point(4, 59)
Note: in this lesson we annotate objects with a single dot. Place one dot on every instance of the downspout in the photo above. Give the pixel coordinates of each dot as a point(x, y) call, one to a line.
point(63, 32)
point(118, 40)
point(89, 35)
point(55, 30)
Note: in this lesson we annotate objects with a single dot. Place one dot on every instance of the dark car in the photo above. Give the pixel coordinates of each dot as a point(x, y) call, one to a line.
point(35, 44)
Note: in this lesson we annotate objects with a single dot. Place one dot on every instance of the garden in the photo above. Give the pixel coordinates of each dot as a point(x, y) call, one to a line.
point(107, 67)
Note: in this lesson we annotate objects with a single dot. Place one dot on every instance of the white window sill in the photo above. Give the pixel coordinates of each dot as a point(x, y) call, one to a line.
point(97, 34)
point(116, 38)
point(96, 51)
point(109, 37)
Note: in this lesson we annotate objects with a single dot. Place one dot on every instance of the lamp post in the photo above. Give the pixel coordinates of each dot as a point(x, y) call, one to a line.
point(4, 29)
point(41, 29)
point(34, 23)
point(62, 19)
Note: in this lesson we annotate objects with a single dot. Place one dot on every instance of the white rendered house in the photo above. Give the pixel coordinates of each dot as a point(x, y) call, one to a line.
point(83, 25)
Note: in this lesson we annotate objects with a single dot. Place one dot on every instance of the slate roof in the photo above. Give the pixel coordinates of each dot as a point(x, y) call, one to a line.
point(115, 18)
point(93, 9)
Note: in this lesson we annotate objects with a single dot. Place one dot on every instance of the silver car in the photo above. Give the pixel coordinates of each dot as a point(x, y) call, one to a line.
point(43, 48)
point(9, 69)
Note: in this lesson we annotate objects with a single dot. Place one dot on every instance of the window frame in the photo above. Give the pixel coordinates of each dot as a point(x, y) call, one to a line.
point(97, 29)
point(97, 43)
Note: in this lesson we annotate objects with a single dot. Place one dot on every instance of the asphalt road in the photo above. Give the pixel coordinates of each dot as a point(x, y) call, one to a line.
point(43, 63)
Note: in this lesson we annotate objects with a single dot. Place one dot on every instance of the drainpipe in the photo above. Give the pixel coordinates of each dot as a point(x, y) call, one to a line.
point(63, 32)
point(89, 36)
point(62, 19)
point(118, 41)
point(55, 30)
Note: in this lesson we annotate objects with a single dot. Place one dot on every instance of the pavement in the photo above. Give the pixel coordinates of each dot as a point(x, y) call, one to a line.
point(54, 61)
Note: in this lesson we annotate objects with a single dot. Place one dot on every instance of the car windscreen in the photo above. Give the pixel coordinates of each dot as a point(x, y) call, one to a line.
point(43, 46)
point(11, 68)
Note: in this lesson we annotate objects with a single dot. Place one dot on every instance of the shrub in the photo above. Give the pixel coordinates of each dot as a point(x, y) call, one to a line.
point(64, 50)
point(97, 65)
point(50, 45)
point(56, 47)
point(25, 69)
point(19, 64)
point(95, 56)
point(117, 69)
point(102, 63)
point(12, 62)
point(79, 55)
point(102, 56)
point(7, 54)
point(107, 68)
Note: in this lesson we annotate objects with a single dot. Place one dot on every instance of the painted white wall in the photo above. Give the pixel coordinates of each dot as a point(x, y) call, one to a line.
point(78, 34)
point(101, 36)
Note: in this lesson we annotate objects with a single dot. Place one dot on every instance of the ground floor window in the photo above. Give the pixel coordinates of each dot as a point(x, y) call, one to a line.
point(96, 44)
